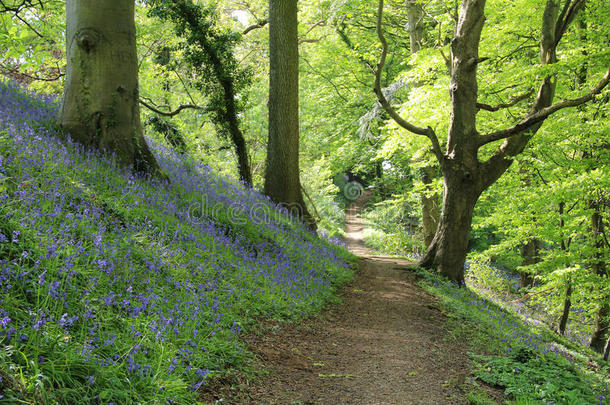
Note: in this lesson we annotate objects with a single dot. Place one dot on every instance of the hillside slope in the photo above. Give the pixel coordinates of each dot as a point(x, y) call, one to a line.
point(123, 288)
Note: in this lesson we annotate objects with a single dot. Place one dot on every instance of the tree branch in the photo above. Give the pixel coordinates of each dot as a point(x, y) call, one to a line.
point(15, 71)
point(568, 13)
point(171, 113)
point(543, 113)
point(253, 27)
point(512, 102)
point(427, 132)
point(29, 26)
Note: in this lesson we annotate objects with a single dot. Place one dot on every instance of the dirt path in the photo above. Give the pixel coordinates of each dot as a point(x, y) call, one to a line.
point(383, 345)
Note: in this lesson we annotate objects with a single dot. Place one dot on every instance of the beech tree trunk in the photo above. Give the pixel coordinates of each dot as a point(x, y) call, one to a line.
point(567, 304)
point(602, 319)
point(100, 106)
point(282, 181)
point(415, 27)
point(602, 323)
point(460, 165)
point(530, 254)
point(429, 206)
point(447, 251)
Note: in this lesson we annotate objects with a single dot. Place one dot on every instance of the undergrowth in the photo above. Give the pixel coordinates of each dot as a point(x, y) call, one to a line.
point(529, 362)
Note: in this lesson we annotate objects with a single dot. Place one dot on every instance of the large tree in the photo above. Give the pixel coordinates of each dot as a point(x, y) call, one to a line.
point(465, 175)
point(282, 181)
point(100, 106)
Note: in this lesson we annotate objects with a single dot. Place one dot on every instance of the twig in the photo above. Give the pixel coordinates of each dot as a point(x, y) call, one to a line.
point(171, 113)
point(511, 103)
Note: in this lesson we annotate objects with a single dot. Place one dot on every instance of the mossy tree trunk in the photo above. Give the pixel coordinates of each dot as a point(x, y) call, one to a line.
point(101, 102)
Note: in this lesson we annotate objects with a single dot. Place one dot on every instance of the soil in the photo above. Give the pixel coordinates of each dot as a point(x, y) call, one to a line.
point(386, 343)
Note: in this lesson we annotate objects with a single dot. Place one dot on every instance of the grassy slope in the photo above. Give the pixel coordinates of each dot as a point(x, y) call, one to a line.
point(119, 288)
point(529, 362)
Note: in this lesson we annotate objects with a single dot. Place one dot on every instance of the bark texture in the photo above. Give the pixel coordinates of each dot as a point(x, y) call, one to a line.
point(282, 181)
point(567, 304)
point(530, 254)
point(415, 27)
point(100, 106)
point(429, 205)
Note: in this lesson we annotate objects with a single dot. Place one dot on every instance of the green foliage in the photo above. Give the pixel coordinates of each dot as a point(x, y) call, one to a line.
point(32, 42)
point(526, 375)
point(209, 50)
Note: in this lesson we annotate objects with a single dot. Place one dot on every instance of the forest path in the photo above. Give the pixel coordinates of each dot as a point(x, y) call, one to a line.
point(384, 344)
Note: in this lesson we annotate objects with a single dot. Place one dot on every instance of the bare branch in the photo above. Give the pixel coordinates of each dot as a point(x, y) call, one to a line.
point(171, 113)
point(15, 72)
point(309, 41)
point(186, 89)
point(253, 27)
point(512, 102)
point(29, 26)
point(427, 132)
point(543, 113)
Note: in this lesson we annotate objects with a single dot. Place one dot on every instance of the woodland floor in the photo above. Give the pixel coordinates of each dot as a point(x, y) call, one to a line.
point(384, 344)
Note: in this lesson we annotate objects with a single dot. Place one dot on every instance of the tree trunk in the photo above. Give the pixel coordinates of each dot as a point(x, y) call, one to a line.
point(567, 304)
point(237, 137)
point(530, 254)
point(460, 165)
point(100, 106)
point(465, 176)
point(282, 181)
point(602, 320)
point(447, 251)
point(415, 27)
point(429, 206)
point(599, 337)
